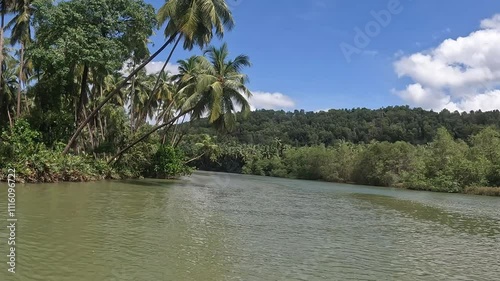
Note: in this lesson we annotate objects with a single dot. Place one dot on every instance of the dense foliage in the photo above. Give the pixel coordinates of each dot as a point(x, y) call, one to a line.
point(400, 123)
point(76, 102)
point(445, 164)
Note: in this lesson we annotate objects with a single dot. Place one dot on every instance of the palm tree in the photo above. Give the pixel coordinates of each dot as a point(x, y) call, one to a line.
point(21, 33)
point(221, 85)
point(185, 20)
point(10, 85)
point(161, 99)
point(140, 90)
point(213, 87)
point(5, 7)
point(184, 83)
point(193, 20)
point(206, 147)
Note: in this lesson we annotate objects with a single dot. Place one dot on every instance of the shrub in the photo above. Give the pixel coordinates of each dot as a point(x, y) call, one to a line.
point(168, 162)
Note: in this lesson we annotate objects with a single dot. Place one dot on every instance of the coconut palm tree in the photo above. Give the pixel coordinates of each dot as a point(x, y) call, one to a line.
point(187, 19)
point(140, 91)
point(206, 147)
point(194, 20)
point(10, 86)
point(162, 98)
point(5, 8)
point(220, 87)
point(21, 34)
point(213, 87)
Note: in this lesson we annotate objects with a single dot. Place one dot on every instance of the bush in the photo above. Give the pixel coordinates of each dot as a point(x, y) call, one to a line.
point(168, 162)
point(34, 162)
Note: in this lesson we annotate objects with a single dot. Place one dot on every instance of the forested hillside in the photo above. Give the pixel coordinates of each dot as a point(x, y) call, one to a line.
point(393, 146)
point(400, 123)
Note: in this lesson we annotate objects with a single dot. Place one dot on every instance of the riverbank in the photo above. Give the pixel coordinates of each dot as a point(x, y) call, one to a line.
point(74, 175)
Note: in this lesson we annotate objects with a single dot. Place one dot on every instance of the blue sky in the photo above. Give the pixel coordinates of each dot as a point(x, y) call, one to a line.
point(298, 63)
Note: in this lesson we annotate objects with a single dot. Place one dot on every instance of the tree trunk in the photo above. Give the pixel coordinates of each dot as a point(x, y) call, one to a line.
point(165, 65)
point(132, 96)
point(99, 116)
point(83, 94)
point(196, 158)
point(100, 126)
point(19, 88)
point(144, 116)
point(146, 135)
point(91, 135)
point(2, 25)
point(174, 136)
point(110, 96)
point(10, 119)
point(177, 141)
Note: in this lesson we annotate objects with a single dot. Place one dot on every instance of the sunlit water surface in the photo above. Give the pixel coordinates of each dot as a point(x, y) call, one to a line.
point(234, 227)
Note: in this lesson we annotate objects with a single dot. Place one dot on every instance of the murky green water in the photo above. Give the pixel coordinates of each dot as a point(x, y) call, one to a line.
point(233, 227)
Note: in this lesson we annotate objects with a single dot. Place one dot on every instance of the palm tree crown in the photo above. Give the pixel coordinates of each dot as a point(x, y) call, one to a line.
point(219, 88)
point(195, 20)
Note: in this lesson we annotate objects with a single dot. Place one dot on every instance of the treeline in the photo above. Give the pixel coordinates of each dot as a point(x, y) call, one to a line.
point(23, 150)
point(444, 165)
point(391, 124)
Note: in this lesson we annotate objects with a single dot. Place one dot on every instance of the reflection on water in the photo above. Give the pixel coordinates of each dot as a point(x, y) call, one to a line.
point(233, 227)
point(474, 225)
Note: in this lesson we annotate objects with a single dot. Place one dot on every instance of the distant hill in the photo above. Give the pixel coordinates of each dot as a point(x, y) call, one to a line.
point(399, 123)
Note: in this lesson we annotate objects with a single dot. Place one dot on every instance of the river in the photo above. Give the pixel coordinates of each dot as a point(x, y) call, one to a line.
point(234, 227)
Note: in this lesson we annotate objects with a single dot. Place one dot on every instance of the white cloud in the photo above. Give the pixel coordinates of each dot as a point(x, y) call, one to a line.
point(155, 67)
point(266, 100)
point(460, 74)
point(491, 23)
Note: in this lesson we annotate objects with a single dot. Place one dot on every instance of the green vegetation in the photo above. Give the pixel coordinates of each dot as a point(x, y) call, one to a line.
point(459, 162)
point(361, 125)
point(77, 104)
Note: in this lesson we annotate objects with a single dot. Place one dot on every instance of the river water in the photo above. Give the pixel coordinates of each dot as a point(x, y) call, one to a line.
point(233, 227)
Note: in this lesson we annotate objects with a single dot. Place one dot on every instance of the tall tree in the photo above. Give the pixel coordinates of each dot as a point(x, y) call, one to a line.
point(220, 87)
point(193, 20)
point(10, 86)
point(21, 34)
point(5, 7)
point(94, 35)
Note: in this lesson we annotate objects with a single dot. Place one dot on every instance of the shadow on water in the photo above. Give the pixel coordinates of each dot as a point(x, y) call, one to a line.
point(471, 225)
point(150, 182)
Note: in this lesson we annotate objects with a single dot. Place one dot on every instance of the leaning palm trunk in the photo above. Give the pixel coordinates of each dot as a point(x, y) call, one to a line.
point(10, 118)
point(195, 158)
point(165, 65)
point(143, 137)
point(2, 26)
point(110, 96)
point(21, 66)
